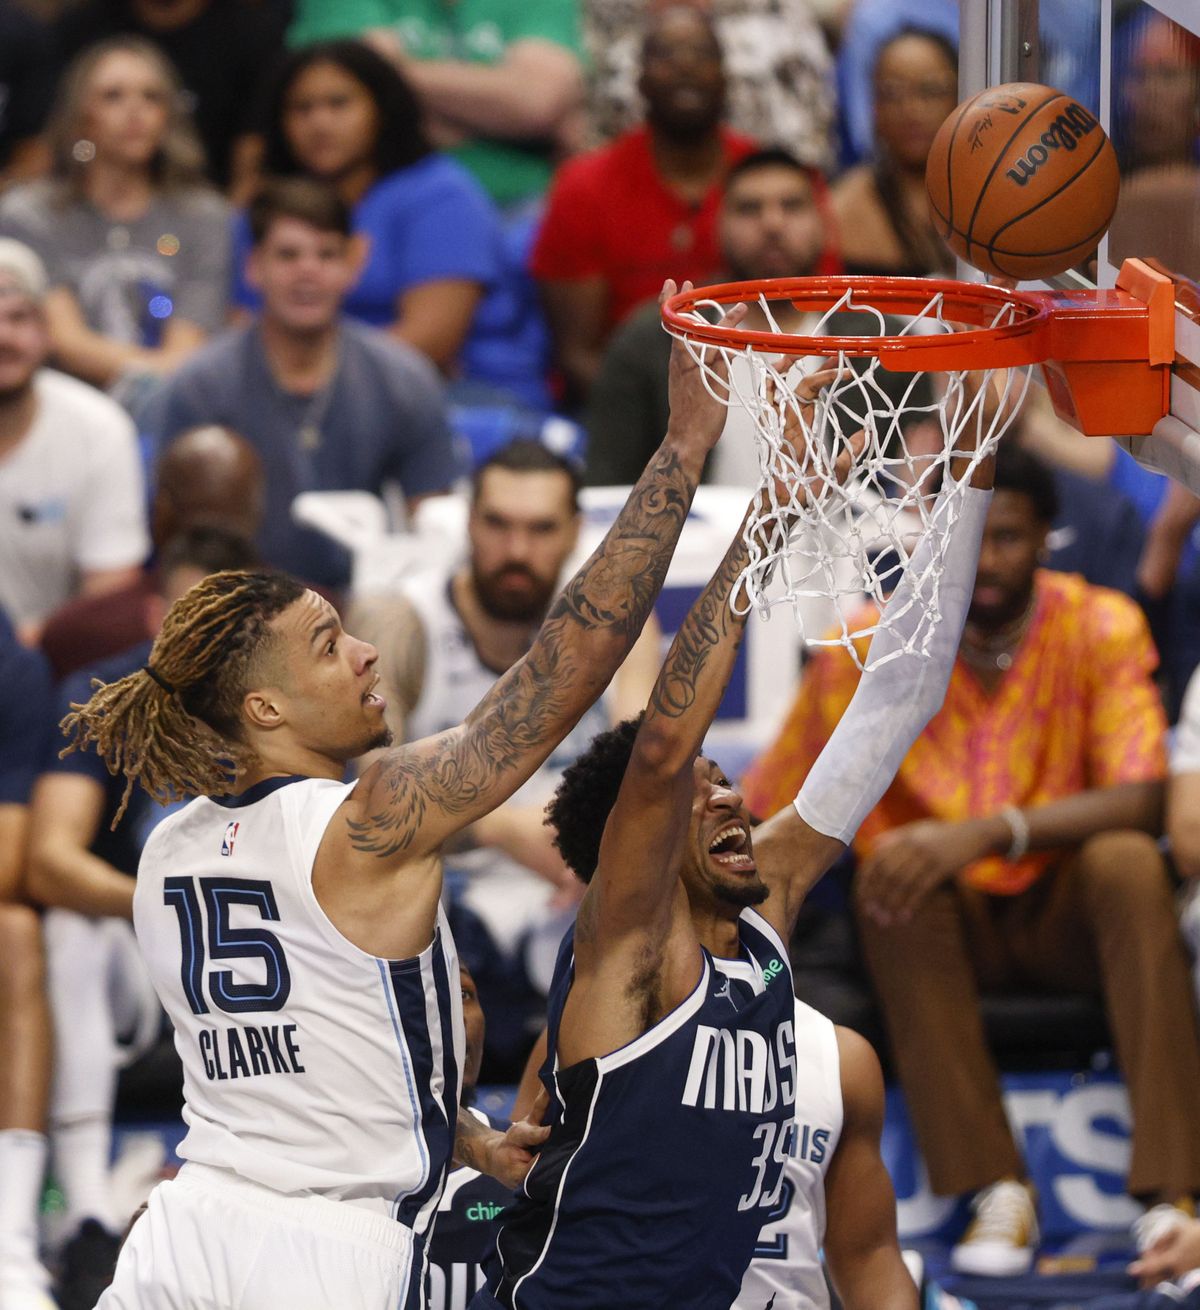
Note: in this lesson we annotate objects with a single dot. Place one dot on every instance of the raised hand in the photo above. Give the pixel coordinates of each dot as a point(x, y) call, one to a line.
point(697, 415)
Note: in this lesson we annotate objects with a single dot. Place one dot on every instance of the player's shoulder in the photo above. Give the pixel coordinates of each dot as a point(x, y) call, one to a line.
point(860, 1073)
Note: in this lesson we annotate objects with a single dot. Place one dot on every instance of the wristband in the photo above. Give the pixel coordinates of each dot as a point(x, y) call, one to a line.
point(1018, 825)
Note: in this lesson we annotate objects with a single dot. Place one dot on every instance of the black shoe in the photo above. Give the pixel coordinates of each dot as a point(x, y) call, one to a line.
point(89, 1261)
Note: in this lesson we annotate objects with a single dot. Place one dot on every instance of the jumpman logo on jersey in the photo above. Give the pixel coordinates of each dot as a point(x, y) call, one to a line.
point(771, 1302)
point(724, 993)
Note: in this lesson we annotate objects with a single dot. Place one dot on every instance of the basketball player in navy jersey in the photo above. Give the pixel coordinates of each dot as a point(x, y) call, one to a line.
point(673, 1065)
point(291, 922)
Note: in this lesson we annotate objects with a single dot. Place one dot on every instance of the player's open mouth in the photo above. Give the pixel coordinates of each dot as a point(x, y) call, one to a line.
point(730, 848)
point(371, 697)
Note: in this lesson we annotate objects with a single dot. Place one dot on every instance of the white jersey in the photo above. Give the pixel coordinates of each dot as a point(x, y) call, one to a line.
point(309, 1065)
point(786, 1272)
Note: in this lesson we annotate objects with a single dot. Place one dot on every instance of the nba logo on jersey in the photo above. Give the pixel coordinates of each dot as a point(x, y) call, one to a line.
point(231, 832)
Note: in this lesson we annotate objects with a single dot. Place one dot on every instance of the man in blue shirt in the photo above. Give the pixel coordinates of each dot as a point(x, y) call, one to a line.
point(330, 405)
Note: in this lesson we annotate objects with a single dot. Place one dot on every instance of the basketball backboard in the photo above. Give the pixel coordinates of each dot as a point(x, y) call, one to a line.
point(1136, 65)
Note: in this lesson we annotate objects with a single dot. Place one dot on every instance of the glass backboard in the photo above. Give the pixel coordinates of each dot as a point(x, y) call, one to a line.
point(1136, 65)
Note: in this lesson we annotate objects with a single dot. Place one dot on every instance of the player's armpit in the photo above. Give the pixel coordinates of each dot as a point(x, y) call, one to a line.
point(860, 1204)
point(792, 856)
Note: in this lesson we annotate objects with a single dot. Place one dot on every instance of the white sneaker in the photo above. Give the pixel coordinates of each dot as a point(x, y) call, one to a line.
point(1001, 1239)
point(1157, 1222)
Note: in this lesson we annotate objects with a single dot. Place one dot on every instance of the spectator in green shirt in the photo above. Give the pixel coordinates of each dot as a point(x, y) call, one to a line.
point(498, 79)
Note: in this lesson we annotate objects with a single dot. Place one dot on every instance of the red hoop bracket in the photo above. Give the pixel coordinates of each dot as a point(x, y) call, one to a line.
point(1106, 355)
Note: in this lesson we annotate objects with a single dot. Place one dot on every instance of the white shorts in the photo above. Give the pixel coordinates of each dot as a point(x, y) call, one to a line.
point(212, 1241)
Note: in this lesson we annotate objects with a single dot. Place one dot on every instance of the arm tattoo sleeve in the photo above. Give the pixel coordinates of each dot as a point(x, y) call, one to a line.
point(709, 623)
point(588, 632)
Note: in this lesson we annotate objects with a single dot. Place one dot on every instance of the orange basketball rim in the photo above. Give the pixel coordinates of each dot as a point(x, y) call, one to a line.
point(1106, 355)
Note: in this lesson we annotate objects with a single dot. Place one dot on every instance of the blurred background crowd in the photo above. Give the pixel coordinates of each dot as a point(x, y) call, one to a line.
point(257, 250)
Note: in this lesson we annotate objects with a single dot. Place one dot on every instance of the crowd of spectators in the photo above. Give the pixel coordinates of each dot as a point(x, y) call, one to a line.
point(252, 249)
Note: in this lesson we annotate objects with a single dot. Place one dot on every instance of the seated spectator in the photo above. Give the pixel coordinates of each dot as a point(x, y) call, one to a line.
point(136, 243)
point(1070, 54)
point(464, 1234)
point(773, 222)
point(622, 218)
point(777, 72)
point(206, 478)
point(219, 51)
point(329, 405)
point(436, 273)
point(1156, 127)
point(869, 25)
point(26, 703)
point(72, 510)
point(26, 90)
point(1017, 848)
point(444, 639)
point(881, 208)
point(497, 83)
point(101, 997)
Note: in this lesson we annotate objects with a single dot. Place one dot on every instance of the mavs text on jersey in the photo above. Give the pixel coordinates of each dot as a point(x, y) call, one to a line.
point(666, 1156)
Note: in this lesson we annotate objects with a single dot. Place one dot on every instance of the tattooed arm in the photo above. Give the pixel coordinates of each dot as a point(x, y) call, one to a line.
point(415, 797)
point(633, 890)
point(506, 1156)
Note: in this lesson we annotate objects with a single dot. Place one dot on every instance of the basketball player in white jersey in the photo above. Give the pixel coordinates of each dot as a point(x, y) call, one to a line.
point(666, 1020)
point(291, 922)
point(836, 1195)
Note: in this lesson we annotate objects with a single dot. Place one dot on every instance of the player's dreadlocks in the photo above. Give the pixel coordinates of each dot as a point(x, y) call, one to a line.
point(174, 725)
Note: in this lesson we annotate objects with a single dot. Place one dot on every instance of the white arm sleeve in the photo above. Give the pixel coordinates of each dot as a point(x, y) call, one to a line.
point(1172, 448)
point(894, 701)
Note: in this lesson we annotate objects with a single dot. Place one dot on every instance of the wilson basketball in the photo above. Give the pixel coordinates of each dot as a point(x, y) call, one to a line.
point(1022, 181)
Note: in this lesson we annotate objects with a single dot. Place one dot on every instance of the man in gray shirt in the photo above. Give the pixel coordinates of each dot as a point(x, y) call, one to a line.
point(329, 405)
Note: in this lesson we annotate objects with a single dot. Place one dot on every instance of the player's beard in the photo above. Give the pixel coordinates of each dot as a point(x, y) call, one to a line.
point(381, 739)
point(509, 609)
point(741, 894)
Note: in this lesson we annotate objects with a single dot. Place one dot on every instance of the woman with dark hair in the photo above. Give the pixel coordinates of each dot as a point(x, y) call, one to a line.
point(880, 207)
point(436, 272)
point(135, 240)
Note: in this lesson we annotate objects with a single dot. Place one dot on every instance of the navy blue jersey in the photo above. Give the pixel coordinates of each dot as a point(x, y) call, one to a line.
point(666, 1156)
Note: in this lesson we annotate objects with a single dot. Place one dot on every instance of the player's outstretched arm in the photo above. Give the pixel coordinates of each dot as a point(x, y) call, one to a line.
point(412, 799)
point(860, 1204)
point(890, 708)
point(636, 878)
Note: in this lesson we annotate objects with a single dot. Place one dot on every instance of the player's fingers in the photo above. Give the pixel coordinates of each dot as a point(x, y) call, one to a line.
point(810, 385)
point(527, 1135)
point(668, 290)
point(733, 315)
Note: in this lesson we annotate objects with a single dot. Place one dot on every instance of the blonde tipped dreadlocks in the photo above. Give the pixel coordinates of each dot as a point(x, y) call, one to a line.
point(174, 726)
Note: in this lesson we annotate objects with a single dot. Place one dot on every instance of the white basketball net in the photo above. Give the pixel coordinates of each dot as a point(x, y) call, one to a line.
point(824, 547)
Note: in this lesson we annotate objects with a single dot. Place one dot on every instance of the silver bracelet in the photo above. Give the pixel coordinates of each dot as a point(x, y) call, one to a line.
point(1019, 827)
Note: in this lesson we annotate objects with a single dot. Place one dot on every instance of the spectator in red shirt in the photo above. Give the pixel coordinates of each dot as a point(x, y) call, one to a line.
point(622, 218)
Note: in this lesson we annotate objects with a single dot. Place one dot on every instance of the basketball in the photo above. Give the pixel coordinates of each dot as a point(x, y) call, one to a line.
point(1022, 181)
